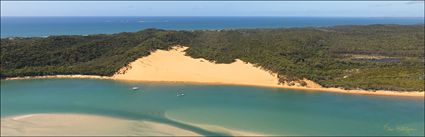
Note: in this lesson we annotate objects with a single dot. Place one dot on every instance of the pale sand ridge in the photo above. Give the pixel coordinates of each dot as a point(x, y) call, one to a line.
point(85, 125)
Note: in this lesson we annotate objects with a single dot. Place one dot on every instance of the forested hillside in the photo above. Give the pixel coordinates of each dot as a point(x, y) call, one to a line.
point(389, 57)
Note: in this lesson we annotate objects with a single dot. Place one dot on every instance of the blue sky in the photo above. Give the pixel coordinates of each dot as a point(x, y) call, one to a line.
point(215, 8)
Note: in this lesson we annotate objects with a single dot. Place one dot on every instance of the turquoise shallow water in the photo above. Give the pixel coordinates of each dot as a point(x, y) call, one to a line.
point(254, 109)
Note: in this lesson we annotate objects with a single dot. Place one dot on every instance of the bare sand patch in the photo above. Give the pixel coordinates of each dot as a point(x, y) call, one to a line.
point(174, 66)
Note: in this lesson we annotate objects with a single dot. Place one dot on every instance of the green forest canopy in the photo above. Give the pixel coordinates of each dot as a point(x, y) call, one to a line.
point(387, 57)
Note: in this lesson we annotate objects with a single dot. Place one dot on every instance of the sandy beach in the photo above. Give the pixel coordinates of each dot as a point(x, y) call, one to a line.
point(64, 124)
point(60, 76)
point(174, 66)
point(85, 125)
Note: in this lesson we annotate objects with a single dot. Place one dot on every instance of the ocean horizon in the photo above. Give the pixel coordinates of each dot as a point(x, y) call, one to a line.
point(43, 26)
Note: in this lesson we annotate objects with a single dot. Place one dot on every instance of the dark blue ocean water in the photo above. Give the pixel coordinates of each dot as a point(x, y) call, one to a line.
point(46, 26)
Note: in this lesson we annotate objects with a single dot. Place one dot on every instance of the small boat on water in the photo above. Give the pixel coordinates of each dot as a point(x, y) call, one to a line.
point(135, 88)
point(179, 94)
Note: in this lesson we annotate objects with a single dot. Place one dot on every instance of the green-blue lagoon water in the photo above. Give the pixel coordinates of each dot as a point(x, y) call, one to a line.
point(269, 111)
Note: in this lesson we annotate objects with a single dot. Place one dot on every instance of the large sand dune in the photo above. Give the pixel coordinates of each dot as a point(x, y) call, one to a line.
point(174, 66)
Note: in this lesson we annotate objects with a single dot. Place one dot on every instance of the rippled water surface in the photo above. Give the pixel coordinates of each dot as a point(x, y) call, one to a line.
point(259, 110)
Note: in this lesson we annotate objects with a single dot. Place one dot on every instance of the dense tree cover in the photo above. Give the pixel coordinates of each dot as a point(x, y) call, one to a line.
point(389, 57)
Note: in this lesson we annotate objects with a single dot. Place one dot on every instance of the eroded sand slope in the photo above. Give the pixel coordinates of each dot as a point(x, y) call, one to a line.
point(173, 65)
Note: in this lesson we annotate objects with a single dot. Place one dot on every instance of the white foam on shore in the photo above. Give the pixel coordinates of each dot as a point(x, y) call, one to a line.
point(23, 117)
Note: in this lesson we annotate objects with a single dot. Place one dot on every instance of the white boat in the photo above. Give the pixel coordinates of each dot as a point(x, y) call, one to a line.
point(135, 88)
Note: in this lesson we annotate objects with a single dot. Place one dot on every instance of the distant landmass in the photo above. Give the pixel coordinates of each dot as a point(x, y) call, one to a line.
point(371, 57)
point(48, 26)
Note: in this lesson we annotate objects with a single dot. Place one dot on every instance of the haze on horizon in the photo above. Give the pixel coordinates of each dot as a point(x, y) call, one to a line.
point(215, 8)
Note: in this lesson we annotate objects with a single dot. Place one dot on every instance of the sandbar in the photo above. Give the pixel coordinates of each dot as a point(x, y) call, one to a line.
point(84, 125)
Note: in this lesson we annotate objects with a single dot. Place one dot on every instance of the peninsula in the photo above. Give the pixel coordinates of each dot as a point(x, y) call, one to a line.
point(343, 58)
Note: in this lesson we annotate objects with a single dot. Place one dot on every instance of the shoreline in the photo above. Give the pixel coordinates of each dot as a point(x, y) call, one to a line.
point(77, 76)
point(308, 89)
